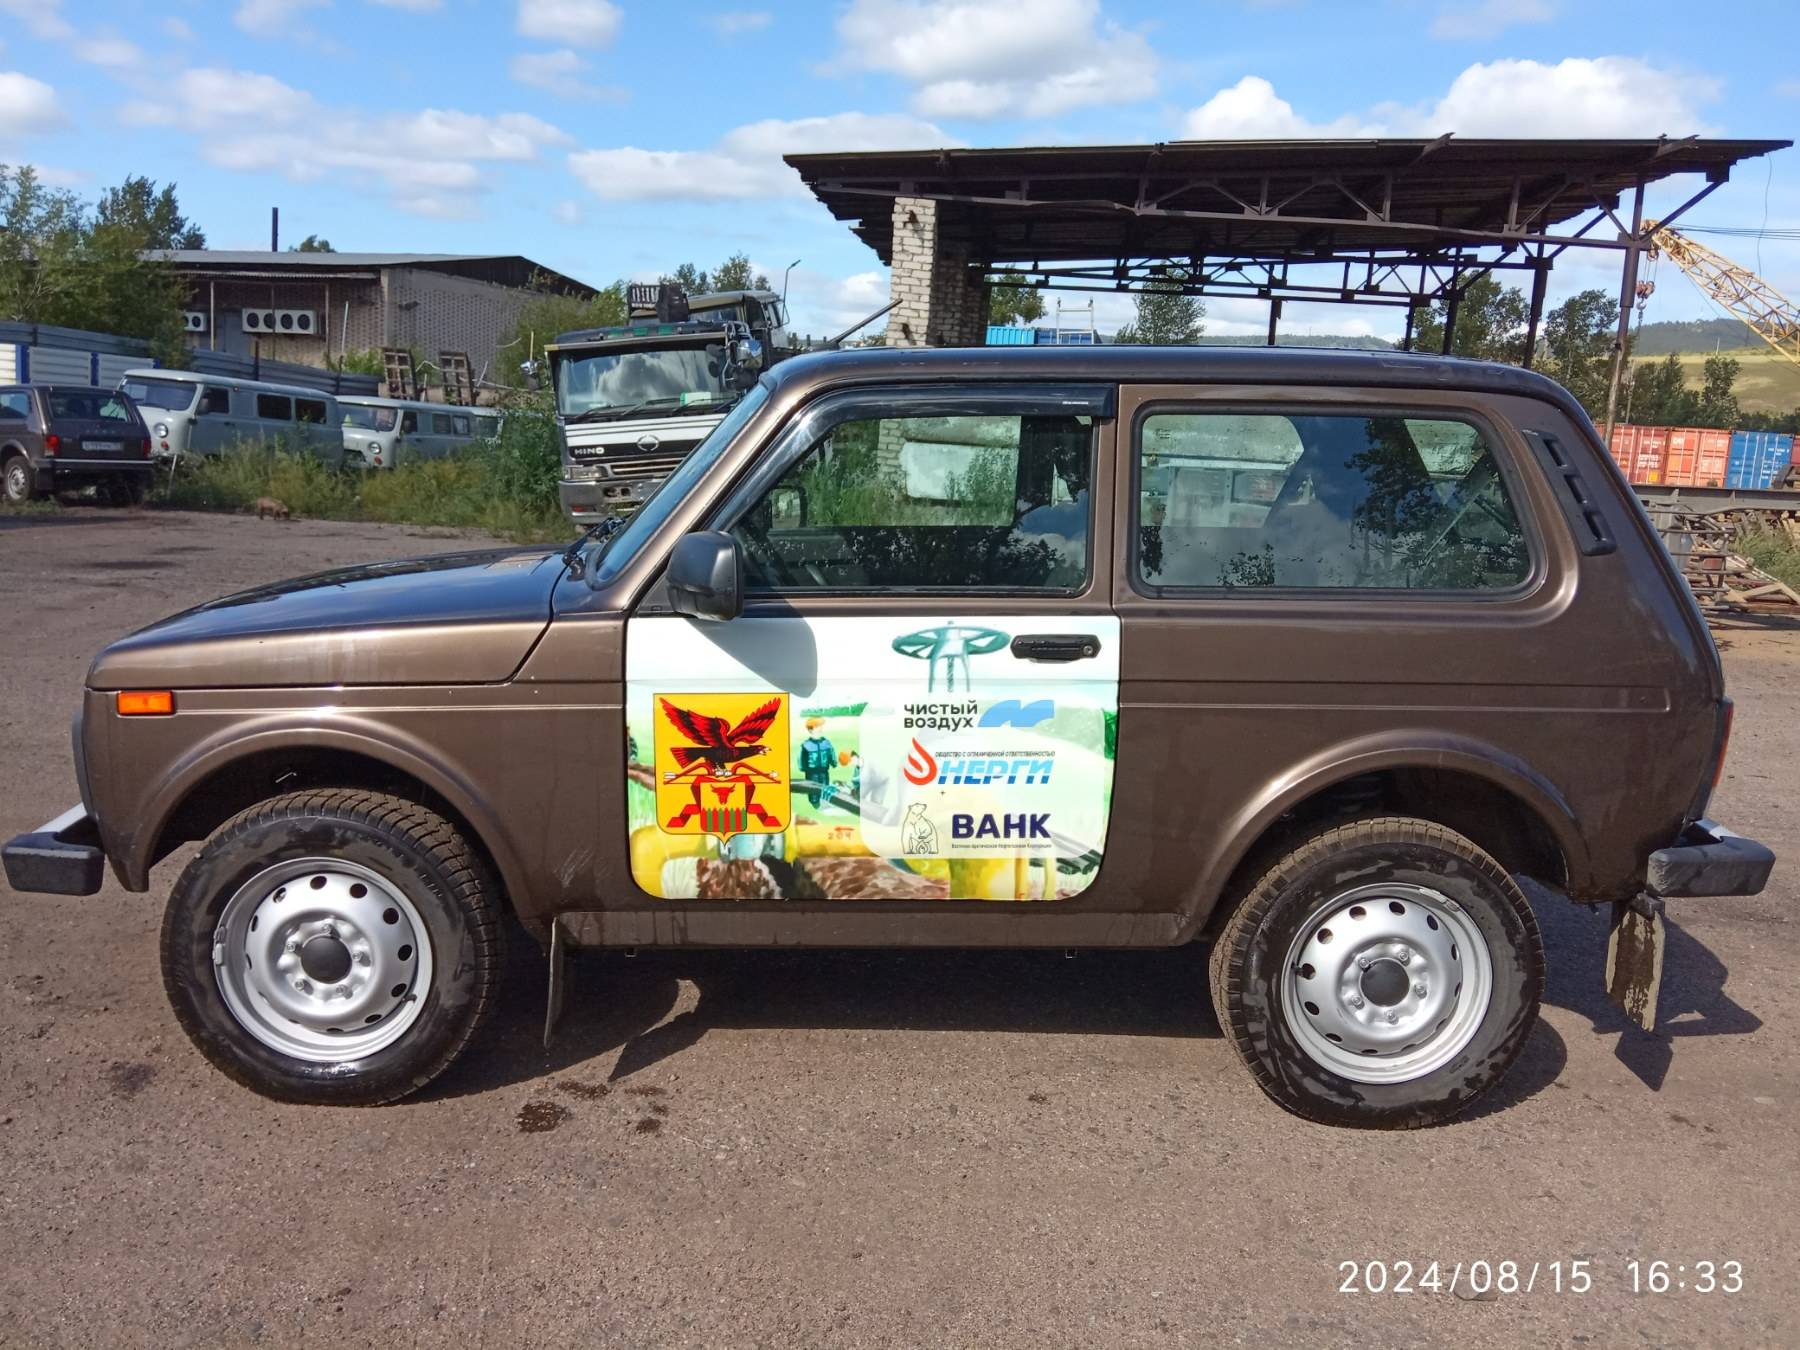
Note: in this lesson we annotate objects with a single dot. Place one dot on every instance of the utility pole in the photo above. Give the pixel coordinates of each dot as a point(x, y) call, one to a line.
point(1627, 294)
point(274, 229)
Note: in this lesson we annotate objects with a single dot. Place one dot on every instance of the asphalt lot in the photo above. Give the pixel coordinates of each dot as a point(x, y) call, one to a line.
point(873, 1149)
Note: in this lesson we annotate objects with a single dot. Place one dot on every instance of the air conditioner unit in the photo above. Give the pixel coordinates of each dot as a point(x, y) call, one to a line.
point(282, 322)
point(194, 320)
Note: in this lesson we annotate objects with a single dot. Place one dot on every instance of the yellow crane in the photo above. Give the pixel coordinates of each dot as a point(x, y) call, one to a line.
point(1739, 291)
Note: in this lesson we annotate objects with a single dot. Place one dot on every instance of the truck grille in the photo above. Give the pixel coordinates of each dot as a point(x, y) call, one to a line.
point(637, 466)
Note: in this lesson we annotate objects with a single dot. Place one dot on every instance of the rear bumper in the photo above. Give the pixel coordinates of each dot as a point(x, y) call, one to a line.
point(68, 468)
point(60, 857)
point(1709, 860)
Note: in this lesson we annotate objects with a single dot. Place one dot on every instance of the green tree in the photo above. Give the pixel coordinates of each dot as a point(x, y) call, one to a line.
point(313, 244)
point(1011, 300)
point(137, 204)
point(1165, 317)
point(1659, 396)
point(1718, 404)
point(548, 314)
point(61, 265)
point(1577, 347)
point(1490, 323)
point(692, 279)
point(734, 274)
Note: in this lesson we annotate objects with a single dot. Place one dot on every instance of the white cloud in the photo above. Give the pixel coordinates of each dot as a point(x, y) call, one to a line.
point(1252, 110)
point(1474, 19)
point(584, 23)
point(560, 73)
point(429, 160)
point(823, 306)
point(272, 18)
point(1579, 96)
point(109, 49)
point(42, 18)
point(27, 105)
point(179, 29)
point(746, 163)
point(990, 58)
point(735, 21)
point(567, 213)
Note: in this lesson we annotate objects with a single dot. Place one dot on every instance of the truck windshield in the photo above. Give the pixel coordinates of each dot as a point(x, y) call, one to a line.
point(169, 395)
point(369, 419)
point(648, 518)
point(640, 383)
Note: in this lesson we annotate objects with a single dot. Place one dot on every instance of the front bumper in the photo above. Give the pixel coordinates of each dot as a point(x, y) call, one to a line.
point(593, 499)
point(1708, 860)
point(60, 857)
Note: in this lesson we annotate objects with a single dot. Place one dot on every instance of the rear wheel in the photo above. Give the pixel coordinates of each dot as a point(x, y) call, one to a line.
point(333, 947)
point(15, 480)
point(128, 489)
point(1383, 974)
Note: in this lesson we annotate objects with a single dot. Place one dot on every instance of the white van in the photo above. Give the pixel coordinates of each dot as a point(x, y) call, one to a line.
point(380, 433)
point(192, 414)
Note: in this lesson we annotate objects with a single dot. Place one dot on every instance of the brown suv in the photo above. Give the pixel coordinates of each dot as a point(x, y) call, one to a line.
point(1305, 655)
point(55, 437)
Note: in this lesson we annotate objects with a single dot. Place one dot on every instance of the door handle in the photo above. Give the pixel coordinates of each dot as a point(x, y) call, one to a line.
point(1055, 646)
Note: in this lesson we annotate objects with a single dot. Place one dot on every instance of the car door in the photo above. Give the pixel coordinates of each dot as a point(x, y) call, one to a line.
point(919, 699)
point(214, 425)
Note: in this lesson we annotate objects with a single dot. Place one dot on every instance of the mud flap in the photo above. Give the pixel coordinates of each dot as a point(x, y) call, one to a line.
point(559, 978)
point(1634, 958)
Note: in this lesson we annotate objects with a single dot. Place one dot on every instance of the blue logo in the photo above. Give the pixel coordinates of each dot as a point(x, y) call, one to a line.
point(1010, 712)
point(1019, 825)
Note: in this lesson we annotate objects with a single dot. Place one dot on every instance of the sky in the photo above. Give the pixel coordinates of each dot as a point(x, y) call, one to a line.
point(619, 138)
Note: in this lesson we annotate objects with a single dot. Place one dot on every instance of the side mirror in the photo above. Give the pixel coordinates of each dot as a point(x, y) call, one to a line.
point(706, 576)
point(530, 369)
point(787, 508)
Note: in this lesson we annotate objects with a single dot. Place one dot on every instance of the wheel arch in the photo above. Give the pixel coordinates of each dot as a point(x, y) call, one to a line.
point(235, 770)
point(1493, 798)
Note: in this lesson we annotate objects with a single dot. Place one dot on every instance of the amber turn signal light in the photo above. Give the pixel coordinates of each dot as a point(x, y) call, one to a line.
point(145, 702)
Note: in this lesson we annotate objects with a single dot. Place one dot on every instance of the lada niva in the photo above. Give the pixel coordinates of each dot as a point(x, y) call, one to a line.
point(1306, 656)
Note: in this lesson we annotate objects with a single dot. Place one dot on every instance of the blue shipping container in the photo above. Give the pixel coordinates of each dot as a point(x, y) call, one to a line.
point(1758, 459)
point(1007, 335)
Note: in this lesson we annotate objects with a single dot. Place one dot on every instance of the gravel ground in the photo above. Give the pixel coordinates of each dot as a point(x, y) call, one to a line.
point(876, 1149)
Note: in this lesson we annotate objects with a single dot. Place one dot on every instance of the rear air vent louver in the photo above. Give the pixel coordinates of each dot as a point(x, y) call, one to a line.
point(1579, 506)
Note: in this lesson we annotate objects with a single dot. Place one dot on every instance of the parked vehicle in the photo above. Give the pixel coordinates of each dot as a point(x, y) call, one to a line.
point(382, 433)
point(633, 400)
point(1308, 656)
point(192, 414)
point(56, 437)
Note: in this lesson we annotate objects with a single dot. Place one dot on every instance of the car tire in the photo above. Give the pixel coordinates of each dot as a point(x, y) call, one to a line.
point(16, 486)
point(1423, 1003)
point(367, 932)
point(127, 490)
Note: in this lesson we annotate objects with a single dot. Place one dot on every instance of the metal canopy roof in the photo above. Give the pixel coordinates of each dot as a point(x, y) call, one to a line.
point(1290, 201)
point(500, 269)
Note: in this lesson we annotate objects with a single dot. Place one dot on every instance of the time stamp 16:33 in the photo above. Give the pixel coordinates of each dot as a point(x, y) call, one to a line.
point(1580, 1275)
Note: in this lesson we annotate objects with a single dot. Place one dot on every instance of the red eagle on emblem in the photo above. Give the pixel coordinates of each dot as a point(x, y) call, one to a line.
point(715, 742)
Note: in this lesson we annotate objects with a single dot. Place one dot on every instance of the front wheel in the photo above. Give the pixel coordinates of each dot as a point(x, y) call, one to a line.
point(1383, 974)
point(336, 947)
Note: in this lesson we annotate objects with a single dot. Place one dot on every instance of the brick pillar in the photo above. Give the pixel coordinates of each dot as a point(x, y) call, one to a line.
point(943, 302)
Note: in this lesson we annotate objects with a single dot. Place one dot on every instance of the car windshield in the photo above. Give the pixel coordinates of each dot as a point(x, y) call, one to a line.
point(625, 383)
point(369, 419)
point(648, 518)
point(88, 405)
point(169, 395)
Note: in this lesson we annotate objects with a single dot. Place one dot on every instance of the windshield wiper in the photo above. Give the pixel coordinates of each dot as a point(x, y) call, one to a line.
point(616, 414)
point(600, 529)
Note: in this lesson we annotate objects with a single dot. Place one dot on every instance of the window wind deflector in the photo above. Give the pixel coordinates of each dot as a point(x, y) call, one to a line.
point(1579, 505)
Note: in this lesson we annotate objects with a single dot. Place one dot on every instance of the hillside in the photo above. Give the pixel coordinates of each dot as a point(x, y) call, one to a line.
point(1692, 335)
point(1767, 381)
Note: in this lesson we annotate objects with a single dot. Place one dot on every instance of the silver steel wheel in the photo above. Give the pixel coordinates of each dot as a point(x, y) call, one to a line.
point(15, 480)
point(1386, 983)
point(322, 960)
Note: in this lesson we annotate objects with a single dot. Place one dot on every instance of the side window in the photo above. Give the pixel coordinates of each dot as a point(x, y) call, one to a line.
point(215, 402)
point(409, 422)
point(1333, 500)
point(274, 407)
point(441, 424)
point(928, 503)
point(15, 406)
point(459, 423)
point(309, 410)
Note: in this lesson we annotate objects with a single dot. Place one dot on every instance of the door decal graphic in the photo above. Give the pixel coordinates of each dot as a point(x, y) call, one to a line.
point(923, 761)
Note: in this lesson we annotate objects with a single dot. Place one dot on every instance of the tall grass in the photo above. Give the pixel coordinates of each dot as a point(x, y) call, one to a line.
point(1774, 552)
point(507, 487)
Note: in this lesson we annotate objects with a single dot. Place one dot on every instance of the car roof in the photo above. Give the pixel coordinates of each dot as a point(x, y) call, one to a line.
point(1320, 366)
point(381, 401)
point(229, 381)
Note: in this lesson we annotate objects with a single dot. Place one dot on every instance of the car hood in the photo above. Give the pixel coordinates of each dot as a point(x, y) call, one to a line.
point(460, 618)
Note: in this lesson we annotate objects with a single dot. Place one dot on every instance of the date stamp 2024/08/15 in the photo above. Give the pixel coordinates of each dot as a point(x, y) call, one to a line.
point(1573, 1275)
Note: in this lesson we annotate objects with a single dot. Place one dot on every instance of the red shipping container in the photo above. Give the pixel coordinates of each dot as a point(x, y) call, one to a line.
point(1681, 456)
point(1624, 446)
point(1648, 458)
point(1715, 454)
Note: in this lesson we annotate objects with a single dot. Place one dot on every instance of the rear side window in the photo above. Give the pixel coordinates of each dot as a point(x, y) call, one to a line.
point(274, 407)
point(1323, 501)
point(459, 424)
point(15, 406)
point(981, 502)
point(309, 410)
point(88, 405)
point(441, 424)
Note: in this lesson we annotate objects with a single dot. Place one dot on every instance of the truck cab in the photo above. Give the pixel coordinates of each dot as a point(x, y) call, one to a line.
point(633, 399)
